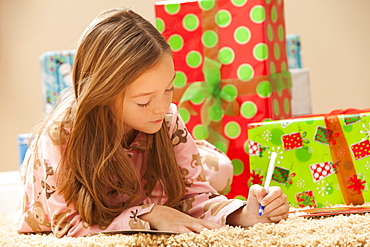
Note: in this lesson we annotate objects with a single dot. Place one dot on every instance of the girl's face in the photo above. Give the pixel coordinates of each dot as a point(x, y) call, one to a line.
point(148, 98)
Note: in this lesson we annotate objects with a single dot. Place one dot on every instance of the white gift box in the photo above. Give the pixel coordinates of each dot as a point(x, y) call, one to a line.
point(301, 92)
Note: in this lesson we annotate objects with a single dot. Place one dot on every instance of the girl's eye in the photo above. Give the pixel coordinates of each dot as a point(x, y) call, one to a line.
point(170, 89)
point(143, 105)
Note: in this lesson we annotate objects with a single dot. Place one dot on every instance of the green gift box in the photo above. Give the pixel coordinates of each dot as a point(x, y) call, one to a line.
point(321, 160)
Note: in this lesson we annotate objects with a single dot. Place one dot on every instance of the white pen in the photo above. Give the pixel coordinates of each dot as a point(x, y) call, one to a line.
point(270, 171)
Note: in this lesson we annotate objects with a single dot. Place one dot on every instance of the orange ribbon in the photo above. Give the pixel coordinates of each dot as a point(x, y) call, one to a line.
point(345, 168)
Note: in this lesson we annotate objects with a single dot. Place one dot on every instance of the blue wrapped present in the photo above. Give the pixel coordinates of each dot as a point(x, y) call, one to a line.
point(56, 75)
point(293, 47)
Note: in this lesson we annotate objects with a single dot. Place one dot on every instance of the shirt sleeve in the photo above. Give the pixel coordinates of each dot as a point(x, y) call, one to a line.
point(42, 209)
point(201, 200)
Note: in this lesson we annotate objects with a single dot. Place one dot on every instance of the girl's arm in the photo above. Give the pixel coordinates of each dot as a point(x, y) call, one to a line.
point(203, 202)
point(201, 207)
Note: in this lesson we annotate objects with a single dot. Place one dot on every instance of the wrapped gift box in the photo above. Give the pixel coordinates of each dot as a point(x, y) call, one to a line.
point(231, 70)
point(301, 92)
point(56, 75)
point(322, 160)
point(293, 48)
point(23, 141)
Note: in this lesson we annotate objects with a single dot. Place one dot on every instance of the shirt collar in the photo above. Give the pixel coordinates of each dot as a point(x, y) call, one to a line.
point(140, 142)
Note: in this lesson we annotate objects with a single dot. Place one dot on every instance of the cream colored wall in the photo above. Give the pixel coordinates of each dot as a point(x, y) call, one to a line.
point(335, 47)
point(334, 43)
point(27, 29)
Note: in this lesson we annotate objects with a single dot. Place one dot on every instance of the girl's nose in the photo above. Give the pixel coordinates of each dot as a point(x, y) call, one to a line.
point(162, 106)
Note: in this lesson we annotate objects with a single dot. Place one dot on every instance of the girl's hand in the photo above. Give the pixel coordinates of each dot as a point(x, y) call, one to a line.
point(165, 218)
point(275, 203)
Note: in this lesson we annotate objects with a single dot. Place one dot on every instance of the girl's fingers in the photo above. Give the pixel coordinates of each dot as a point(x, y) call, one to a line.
point(273, 194)
point(274, 198)
point(164, 218)
point(279, 216)
point(203, 225)
point(198, 228)
point(195, 225)
point(277, 209)
point(276, 205)
point(183, 229)
point(210, 224)
point(276, 218)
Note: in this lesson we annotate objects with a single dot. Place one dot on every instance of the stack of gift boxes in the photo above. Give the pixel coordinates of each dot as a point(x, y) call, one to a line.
point(231, 69)
point(56, 75)
point(301, 96)
point(322, 160)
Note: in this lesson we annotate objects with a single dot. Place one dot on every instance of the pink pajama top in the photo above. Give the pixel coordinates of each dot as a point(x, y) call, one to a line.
point(43, 209)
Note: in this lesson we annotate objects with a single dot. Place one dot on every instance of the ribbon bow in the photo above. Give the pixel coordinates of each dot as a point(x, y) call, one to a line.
point(212, 110)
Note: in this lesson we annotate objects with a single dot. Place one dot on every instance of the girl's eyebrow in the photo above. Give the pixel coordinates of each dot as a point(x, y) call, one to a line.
point(149, 93)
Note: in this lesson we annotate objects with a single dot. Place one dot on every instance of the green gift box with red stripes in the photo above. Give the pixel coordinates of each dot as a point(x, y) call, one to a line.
point(322, 160)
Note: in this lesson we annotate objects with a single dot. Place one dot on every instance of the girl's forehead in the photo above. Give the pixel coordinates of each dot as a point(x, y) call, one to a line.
point(155, 78)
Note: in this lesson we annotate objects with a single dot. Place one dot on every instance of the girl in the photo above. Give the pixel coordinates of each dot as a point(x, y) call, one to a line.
point(116, 155)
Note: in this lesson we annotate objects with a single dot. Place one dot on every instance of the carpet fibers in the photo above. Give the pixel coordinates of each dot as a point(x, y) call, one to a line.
point(341, 230)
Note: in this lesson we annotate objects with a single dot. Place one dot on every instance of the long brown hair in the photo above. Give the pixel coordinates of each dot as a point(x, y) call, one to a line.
point(116, 48)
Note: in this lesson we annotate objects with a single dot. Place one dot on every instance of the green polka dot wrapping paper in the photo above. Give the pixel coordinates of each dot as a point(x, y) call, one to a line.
point(231, 70)
point(322, 160)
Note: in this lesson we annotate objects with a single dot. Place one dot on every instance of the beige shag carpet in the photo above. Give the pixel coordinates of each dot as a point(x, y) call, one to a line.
point(352, 230)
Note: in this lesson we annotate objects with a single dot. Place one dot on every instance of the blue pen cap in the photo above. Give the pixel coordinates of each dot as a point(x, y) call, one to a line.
point(23, 140)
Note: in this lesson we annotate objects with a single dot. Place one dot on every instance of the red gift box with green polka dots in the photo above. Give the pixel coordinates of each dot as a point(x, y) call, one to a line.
point(231, 69)
point(321, 161)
